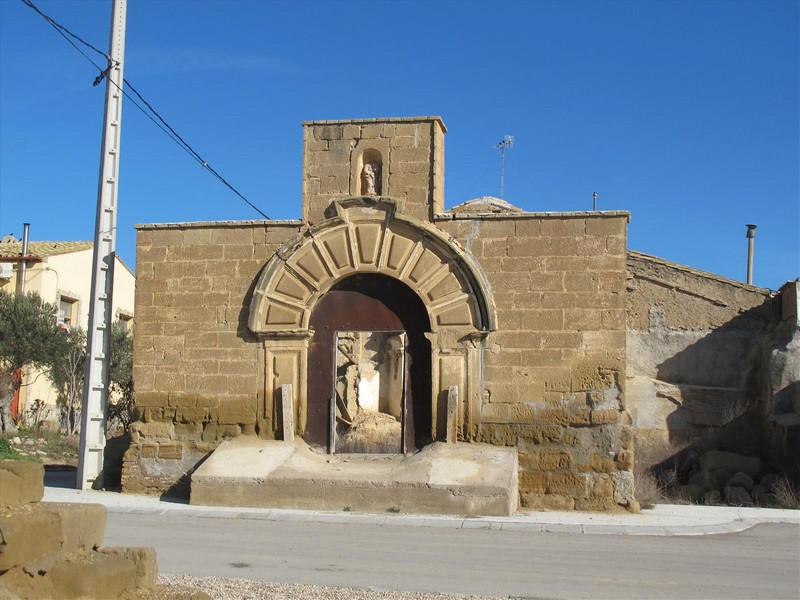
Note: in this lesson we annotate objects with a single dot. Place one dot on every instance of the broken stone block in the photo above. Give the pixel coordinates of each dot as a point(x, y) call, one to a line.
point(18, 584)
point(769, 480)
point(720, 477)
point(27, 534)
point(92, 575)
point(689, 492)
point(623, 487)
point(21, 482)
point(741, 480)
point(370, 432)
point(719, 459)
point(704, 480)
point(144, 559)
point(737, 496)
point(82, 525)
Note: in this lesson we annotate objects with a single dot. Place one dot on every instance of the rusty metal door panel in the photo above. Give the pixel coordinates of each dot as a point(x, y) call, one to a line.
point(369, 303)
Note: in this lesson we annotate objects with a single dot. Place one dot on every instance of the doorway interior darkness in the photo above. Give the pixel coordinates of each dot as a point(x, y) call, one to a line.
point(370, 302)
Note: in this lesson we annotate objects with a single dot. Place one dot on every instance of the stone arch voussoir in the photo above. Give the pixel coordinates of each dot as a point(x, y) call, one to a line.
point(367, 235)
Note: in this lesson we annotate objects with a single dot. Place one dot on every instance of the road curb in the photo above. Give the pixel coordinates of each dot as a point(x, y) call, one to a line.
point(665, 520)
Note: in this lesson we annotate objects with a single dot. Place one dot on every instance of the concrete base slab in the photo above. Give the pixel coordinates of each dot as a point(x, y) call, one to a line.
point(449, 479)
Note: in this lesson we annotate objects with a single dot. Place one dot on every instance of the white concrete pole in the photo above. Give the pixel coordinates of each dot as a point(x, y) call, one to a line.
point(98, 342)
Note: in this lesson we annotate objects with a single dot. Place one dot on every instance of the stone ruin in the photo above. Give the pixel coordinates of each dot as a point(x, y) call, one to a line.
point(55, 550)
point(539, 332)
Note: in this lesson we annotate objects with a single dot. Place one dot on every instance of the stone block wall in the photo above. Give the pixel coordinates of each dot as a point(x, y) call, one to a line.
point(552, 376)
point(198, 370)
point(554, 371)
point(548, 377)
point(410, 152)
point(695, 344)
point(781, 406)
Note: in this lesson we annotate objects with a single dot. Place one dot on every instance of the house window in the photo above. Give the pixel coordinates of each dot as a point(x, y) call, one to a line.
point(67, 311)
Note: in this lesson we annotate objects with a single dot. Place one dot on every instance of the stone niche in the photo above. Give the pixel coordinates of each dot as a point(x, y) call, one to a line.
point(367, 175)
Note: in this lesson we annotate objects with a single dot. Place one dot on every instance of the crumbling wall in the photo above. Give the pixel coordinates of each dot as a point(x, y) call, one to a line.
point(695, 342)
point(554, 372)
point(198, 370)
point(781, 390)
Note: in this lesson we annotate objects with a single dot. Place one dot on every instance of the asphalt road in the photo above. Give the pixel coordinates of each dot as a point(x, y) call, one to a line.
point(762, 562)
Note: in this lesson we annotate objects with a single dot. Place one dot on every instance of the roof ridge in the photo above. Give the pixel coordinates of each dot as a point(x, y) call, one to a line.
point(696, 271)
point(46, 247)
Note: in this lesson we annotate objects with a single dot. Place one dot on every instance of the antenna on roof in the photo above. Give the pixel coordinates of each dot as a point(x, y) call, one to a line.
point(508, 142)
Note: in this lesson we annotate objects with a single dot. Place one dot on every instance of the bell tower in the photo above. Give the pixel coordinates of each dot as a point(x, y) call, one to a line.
point(400, 158)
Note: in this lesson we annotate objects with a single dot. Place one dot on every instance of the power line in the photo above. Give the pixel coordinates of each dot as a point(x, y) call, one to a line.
point(173, 133)
point(160, 123)
point(64, 32)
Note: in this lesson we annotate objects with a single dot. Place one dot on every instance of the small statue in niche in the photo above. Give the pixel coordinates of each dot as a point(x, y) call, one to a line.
point(371, 179)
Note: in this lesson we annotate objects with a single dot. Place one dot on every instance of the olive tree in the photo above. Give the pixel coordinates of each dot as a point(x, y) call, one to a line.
point(29, 336)
point(120, 374)
point(66, 375)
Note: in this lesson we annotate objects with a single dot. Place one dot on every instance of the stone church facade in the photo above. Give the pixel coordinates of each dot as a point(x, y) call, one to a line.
point(521, 316)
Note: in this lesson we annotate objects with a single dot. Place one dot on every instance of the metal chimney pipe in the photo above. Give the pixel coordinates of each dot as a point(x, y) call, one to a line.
point(23, 265)
point(751, 235)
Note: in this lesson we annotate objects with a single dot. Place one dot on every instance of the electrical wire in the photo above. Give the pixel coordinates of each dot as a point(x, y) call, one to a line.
point(160, 123)
point(64, 32)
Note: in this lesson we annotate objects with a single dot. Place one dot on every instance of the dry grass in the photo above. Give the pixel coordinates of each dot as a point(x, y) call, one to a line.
point(646, 489)
point(655, 471)
point(787, 495)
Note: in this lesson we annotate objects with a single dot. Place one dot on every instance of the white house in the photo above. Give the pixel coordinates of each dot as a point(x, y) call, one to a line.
point(61, 273)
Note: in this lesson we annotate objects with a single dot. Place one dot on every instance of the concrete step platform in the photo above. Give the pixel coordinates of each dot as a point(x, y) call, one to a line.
point(448, 479)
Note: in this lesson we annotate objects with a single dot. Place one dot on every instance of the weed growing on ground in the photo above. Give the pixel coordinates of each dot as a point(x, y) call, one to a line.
point(646, 489)
point(655, 470)
point(50, 447)
point(6, 451)
point(787, 495)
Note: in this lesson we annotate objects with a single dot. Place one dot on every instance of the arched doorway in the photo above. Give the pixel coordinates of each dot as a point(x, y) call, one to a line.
point(370, 308)
point(370, 237)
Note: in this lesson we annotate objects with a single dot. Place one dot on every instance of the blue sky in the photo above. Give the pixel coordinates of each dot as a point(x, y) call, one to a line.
point(683, 113)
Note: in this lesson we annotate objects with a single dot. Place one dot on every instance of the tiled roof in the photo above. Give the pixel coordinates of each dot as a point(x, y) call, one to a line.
point(44, 249)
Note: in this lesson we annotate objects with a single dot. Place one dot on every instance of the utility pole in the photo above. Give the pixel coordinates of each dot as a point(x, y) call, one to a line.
point(98, 339)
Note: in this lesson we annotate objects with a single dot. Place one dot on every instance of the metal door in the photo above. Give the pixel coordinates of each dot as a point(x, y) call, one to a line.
point(369, 304)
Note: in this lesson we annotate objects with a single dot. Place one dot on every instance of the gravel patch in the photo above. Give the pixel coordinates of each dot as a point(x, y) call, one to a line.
point(251, 589)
